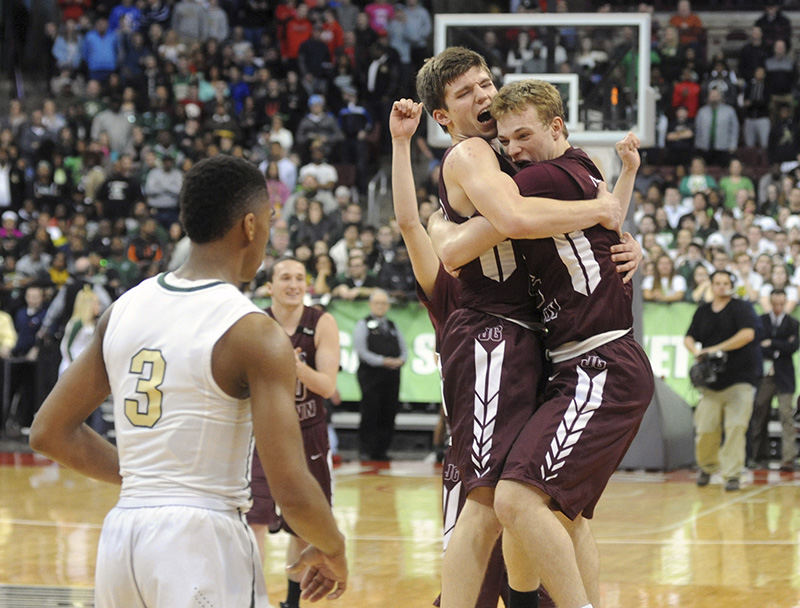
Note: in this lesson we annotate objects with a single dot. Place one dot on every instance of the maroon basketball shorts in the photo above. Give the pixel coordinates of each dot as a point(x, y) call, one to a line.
point(491, 369)
point(593, 405)
point(264, 510)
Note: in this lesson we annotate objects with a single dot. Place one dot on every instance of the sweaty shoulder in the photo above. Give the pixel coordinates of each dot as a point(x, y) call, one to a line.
point(254, 341)
point(469, 152)
point(254, 333)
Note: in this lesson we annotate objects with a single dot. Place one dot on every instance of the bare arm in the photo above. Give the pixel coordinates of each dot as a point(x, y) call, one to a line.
point(628, 152)
point(259, 346)
point(320, 285)
point(741, 338)
point(691, 345)
point(472, 166)
point(403, 122)
point(59, 432)
point(458, 244)
point(322, 380)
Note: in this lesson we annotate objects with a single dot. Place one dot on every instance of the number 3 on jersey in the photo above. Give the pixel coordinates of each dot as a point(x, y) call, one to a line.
point(146, 410)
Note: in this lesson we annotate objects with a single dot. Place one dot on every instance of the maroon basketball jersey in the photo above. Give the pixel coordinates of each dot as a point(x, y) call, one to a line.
point(309, 405)
point(496, 282)
point(578, 289)
point(443, 301)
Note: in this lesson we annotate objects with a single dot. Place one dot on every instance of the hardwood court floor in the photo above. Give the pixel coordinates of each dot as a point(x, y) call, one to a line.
point(663, 541)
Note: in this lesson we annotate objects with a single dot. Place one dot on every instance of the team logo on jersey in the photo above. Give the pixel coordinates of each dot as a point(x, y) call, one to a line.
point(594, 362)
point(491, 334)
point(307, 410)
point(535, 291)
point(451, 473)
point(550, 312)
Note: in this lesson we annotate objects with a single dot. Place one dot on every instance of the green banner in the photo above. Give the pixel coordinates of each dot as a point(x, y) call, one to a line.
point(664, 328)
point(419, 378)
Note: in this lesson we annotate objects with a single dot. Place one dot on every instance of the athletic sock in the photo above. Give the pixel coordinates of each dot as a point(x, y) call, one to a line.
point(523, 599)
point(293, 595)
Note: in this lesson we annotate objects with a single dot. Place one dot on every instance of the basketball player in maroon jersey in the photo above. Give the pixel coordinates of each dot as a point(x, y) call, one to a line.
point(491, 331)
point(439, 292)
point(601, 380)
point(315, 338)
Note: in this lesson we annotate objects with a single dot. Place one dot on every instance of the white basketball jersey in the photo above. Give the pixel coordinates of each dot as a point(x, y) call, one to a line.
point(181, 439)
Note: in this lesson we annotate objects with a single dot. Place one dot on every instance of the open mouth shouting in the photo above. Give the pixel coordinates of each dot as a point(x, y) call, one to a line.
point(484, 116)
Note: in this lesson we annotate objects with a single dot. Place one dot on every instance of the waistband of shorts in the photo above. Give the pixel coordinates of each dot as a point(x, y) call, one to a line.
point(534, 326)
point(568, 350)
point(142, 502)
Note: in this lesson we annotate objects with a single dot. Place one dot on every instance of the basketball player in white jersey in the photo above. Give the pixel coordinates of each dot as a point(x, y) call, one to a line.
point(195, 370)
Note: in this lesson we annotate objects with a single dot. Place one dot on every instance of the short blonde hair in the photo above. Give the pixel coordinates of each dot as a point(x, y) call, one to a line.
point(519, 95)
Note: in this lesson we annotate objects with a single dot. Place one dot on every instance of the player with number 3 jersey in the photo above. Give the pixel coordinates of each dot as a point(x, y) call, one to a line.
point(196, 372)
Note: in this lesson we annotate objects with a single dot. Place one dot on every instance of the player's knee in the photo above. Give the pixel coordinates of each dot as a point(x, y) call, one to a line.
point(478, 512)
point(512, 499)
point(505, 509)
point(577, 528)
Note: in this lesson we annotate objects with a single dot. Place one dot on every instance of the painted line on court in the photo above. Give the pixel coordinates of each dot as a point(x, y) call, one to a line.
point(49, 524)
point(744, 495)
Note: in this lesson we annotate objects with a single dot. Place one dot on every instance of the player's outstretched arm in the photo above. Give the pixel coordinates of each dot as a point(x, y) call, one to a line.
point(403, 122)
point(473, 167)
point(59, 431)
point(260, 349)
point(628, 152)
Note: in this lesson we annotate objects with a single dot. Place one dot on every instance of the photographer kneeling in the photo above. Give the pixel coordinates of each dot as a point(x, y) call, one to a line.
point(724, 326)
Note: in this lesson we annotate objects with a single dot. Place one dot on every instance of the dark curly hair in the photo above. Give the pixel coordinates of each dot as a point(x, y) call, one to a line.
point(216, 193)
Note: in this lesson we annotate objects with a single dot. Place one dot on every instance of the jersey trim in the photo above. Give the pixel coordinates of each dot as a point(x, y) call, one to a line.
point(488, 368)
point(588, 397)
point(163, 283)
point(568, 350)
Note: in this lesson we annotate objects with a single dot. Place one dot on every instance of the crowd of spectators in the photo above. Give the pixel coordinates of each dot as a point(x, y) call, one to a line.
point(139, 91)
point(721, 188)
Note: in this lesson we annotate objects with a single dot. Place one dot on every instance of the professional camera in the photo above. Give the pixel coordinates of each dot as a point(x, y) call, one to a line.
point(708, 367)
